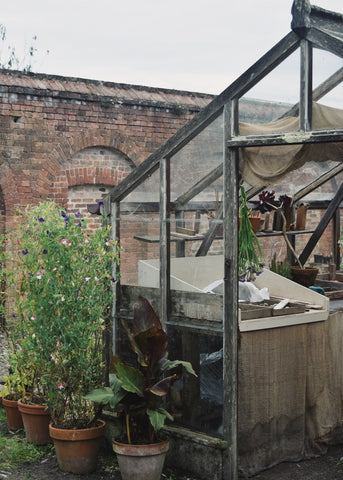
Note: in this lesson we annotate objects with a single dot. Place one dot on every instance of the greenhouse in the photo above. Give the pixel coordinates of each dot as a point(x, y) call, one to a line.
point(270, 381)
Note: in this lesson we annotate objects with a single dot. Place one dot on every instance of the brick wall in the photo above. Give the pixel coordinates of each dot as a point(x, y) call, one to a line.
point(71, 140)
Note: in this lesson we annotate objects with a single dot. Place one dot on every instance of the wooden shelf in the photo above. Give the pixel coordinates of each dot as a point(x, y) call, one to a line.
point(175, 236)
point(275, 233)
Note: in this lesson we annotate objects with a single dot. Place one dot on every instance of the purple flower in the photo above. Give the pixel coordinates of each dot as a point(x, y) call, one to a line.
point(41, 219)
point(25, 252)
point(265, 202)
point(100, 204)
point(45, 252)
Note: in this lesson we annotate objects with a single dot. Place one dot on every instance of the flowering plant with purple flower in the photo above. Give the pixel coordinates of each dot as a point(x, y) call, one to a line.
point(60, 289)
point(266, 203)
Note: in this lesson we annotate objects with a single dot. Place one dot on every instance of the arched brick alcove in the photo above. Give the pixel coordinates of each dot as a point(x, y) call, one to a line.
point(88, 176)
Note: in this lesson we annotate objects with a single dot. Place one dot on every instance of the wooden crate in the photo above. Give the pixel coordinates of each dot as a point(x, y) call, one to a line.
point(265, 309)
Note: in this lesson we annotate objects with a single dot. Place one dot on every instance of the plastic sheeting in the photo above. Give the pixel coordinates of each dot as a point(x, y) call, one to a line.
point(266, 165)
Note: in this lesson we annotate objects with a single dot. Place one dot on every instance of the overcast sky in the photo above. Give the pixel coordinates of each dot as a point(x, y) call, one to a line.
point(195, 45)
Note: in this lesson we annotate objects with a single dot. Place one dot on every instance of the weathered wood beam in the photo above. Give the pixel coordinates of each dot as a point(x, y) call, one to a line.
point(230, 300)
point(301, 21)
point(323, 40)
point(199, 186)
point(330, 212)
point(210, 234)
point(305, 104)
point(164, 240)
point(291, 138)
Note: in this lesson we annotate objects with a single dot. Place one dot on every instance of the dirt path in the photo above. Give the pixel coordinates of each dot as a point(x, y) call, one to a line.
point(326, 467)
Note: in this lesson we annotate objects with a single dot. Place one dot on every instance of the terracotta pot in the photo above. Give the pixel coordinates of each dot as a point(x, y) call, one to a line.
point(256, 223)
point(141, 462)
point(304, 276)
point(77, 450)
point(14, 420)
point(36, 419)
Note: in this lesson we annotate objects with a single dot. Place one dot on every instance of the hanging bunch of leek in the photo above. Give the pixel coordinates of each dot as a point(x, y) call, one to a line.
point(249, 250)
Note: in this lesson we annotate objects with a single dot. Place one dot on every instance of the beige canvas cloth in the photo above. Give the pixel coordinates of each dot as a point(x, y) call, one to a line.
point(290, 393)
point(265, 165)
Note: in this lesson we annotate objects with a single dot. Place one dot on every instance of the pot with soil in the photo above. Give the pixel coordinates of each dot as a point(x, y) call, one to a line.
point(77, 450)
point(14, 419)
point(141, 462)
point(36, 419)
point(305, 276)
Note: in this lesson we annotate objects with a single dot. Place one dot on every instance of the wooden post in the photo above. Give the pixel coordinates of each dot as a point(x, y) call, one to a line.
point(230, 301)
point(164, 239)
point(115, 224)
point(305, 106)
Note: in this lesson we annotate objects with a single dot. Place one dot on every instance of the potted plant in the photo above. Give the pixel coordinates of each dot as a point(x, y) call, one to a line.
point(138, 393)
point(266, 203)
point(61, 307)
point(12, 391)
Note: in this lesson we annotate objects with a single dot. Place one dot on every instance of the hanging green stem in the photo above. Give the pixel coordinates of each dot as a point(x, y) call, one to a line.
point(250, 252)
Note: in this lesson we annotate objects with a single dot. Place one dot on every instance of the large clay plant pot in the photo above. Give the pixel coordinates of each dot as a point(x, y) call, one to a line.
point(36, 419)
point(14, 419)
point(141, 462)
point(77, 450)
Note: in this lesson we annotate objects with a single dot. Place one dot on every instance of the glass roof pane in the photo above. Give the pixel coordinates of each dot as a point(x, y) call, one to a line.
point(281, 84)
point(326, 64)
point(196, 159)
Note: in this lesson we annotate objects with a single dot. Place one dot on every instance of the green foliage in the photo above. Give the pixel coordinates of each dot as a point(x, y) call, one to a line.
point(14, 450)
point(9, 58)
point(14, 388)
point(60, 293)
point(250, 253)
point(138, 393)
point(282, 268)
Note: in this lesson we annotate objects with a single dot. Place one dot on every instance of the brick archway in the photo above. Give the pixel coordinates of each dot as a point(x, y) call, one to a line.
point(61, 160)
point(88, 177)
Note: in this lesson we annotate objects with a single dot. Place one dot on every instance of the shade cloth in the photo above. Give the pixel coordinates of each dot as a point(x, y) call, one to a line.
point(261, 166)
point(290, 393)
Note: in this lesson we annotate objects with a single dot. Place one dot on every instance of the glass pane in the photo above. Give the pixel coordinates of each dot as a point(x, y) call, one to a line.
point(197, 402)
point(280, 85)
point(325, 64)
point(194, 161)
point(139, 228)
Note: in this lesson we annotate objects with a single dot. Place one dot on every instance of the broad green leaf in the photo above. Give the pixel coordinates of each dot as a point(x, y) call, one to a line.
point(167, 414)
point(131, 379)
point(100, 395)
point(167, 364)
point(114, 383)
point(135, 347)
point(106, 395)
point(156, 419)
point(162, 387)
